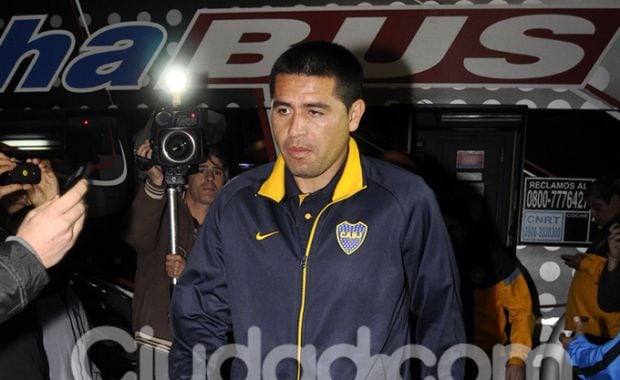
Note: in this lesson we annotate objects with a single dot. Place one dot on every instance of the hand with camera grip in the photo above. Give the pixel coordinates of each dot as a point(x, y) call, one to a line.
point(175, 264)
point(7, 164)
point(155, 174)
point(45, 190)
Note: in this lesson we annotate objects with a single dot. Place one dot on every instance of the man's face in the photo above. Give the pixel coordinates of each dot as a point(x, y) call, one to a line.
point(203, 186)
point(602, 211)
point(311, 125)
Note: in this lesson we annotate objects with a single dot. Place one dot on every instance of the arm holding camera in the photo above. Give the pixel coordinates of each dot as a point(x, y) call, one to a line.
point(147, 209)
point(155, 174)
point(44, 237)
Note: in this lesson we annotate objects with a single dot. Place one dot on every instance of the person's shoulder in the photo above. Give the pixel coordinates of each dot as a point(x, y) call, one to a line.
point(249, 180)
point(394, 179)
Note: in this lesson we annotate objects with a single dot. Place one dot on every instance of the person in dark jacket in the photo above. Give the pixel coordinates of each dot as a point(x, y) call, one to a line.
point(316, 262)
point(22, 353)
point(23, 272)
point(42, 239)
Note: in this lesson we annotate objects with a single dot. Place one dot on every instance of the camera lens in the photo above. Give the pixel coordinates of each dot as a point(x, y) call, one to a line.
point(163, 118)
point(178, 146)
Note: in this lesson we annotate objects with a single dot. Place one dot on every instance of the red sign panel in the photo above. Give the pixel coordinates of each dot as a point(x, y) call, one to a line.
point(439, 45)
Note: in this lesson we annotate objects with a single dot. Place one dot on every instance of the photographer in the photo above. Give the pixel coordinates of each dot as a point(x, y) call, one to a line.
point(45, 235)
point(149, 231)
point(42, 237)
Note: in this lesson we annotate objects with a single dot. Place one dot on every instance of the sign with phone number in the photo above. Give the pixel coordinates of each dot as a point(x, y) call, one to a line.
point(555, 211)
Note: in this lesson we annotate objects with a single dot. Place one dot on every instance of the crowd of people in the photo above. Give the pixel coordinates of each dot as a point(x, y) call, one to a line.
point(322, 248)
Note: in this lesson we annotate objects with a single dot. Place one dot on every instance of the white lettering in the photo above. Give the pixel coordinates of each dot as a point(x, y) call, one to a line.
point(552, 57)
point(79, 354)
point(429, 46)
point(222, 41)
point(365, 363)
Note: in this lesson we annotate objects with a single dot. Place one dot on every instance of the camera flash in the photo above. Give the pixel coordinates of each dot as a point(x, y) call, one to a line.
point(176, 80)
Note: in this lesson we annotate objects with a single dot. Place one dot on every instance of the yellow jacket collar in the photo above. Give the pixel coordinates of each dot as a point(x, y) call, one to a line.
point(350, 182)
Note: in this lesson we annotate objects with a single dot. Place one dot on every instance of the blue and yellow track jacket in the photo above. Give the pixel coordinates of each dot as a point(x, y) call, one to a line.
point(376, 252)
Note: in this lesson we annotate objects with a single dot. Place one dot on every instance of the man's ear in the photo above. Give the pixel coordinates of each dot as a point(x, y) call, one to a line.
point(355, 114)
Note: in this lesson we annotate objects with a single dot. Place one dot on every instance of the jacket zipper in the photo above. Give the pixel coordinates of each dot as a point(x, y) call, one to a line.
point(302, 305)
point(304, 274)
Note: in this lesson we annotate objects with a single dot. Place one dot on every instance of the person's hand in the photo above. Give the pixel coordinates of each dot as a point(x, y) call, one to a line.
point(174, 265)
point(45, 190)
point(573, 261)
point(515, 372)
point(52, 228)
point(565, 339)
point(155, 174)
point(7, 164)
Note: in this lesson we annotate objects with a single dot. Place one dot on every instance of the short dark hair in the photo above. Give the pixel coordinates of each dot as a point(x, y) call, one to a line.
point(218, 152)
point(604, 188)
point(325, 59)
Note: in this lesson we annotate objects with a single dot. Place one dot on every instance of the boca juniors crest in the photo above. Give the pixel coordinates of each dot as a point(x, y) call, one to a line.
point(351, 236)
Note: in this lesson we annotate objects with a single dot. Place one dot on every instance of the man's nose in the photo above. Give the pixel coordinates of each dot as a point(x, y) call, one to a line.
point(298, 125)
point(208, 173)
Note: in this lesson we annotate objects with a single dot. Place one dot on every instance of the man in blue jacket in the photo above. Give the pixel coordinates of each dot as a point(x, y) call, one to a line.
point(316, 262)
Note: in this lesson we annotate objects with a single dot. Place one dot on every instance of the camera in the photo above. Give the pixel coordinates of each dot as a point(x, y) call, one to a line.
point(180, 140)
point(178, 137)
point(23, 173)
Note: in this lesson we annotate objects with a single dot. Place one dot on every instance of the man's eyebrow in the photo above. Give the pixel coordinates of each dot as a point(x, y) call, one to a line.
point(321, 105)
point(279, 103)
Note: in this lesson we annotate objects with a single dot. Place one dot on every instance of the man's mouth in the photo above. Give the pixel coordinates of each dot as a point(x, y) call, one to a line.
point(297, 151)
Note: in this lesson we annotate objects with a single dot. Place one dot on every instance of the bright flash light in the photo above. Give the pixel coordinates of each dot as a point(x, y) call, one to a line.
point(176, 80)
